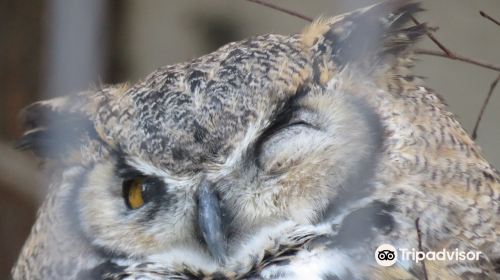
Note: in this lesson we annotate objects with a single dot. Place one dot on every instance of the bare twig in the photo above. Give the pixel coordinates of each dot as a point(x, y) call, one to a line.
point(447, 53)
point(436, 41)
point(460, 58)
point(419, 236)
point(486, 101)
point(452, 55)
point(485, 15)
point(281, 9)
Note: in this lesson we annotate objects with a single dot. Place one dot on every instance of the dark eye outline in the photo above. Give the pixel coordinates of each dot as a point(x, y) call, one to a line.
point(300, 122)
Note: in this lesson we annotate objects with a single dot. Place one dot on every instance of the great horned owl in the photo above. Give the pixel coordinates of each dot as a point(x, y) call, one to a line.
point(276, 157)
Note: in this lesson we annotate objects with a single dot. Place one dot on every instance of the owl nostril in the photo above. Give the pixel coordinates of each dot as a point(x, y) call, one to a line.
point(209, 218)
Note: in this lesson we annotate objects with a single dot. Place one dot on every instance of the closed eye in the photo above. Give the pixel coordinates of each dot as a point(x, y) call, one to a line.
point(302, 123)
point(282, 134)
point(288, 118)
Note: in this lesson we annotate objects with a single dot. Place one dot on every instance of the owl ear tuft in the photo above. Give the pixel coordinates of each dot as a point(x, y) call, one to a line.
point(54, 127)
point(365, 39)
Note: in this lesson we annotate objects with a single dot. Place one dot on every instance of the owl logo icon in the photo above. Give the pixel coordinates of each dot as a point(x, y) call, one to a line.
point(386, 255)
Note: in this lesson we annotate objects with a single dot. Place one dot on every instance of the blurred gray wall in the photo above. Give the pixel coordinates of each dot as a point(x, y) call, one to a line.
point(74, 52)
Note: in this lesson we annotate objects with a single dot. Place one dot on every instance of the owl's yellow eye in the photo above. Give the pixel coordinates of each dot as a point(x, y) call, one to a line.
point(141, 190)
point(134, 196)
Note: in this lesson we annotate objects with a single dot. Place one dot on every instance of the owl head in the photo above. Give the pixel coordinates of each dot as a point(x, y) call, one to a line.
point(203, 155)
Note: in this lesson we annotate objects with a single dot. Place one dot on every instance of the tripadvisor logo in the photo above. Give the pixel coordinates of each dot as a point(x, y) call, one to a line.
point(388, 255)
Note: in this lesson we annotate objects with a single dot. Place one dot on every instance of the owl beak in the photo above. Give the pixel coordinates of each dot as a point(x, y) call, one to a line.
point(210, 222)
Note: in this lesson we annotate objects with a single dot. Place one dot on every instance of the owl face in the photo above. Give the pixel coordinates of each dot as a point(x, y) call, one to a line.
point(285, 163)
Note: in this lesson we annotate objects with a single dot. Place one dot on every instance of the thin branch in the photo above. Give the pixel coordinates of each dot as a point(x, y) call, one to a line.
point(460, 58)
point(485, 15)
point(436, 41)
point(483, 108)
point(450, 54)
point(281, 9)
point(419, 236)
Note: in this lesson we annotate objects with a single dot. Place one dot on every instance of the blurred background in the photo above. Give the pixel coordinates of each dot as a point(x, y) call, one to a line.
point(50, 48)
